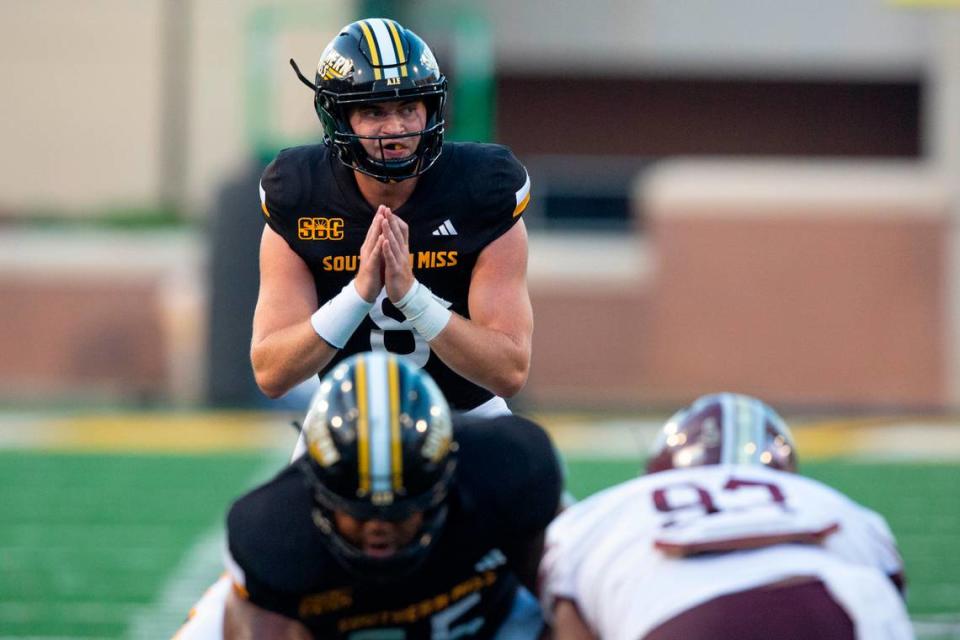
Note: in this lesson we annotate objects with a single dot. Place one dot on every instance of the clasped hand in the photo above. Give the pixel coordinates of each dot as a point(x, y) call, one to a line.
point(385, 258)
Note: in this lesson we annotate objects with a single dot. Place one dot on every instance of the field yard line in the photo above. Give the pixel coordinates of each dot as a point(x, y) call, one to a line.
point(942, 627)
point(197, 571)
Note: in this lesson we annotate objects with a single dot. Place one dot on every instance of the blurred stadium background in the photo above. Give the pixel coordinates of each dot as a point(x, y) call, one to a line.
point(747, 196)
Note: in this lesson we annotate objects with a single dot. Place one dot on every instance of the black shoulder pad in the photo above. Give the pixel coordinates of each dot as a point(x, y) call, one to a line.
point(499, 189)
point(283, 186)
point(510, 466)
point(272, 537)
point(501, 185)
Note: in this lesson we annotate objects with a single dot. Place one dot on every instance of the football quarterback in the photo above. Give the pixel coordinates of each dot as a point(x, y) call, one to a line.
point(385, 237)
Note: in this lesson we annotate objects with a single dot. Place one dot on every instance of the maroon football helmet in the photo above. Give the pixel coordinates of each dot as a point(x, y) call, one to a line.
point(724, 428)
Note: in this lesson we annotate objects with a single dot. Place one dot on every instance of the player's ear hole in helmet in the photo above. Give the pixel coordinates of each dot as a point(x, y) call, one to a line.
point(724, 428)
point(379, 447)
point(372, 61)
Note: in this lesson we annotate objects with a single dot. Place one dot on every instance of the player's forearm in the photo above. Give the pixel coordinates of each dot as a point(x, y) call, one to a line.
point(287, 357)
point(494, 360)
point(568, 624)
point(245, 621)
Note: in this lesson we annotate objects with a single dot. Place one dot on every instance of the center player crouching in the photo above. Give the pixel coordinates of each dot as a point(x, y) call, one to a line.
point(396, 523)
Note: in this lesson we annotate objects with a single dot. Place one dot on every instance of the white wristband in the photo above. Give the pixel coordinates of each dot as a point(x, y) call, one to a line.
point(340, 316)
point(424, 312)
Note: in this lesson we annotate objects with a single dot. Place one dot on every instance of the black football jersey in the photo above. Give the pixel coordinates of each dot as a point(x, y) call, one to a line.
point(506, 490)
point(471, 196)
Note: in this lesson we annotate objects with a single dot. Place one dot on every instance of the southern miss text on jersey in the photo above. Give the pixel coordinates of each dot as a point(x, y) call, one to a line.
point(472, 196)
point(466, 585)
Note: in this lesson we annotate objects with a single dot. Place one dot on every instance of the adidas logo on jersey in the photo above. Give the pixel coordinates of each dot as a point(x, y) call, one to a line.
point(446, 229)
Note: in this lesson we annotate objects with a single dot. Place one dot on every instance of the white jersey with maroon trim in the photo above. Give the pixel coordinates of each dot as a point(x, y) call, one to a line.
point(639, 553)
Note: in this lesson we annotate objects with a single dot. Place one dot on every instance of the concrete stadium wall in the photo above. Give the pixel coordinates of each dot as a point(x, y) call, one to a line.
point(98, 92)
point(102, 317)
point(107, 103)
point(698, 302)
point(812, 283)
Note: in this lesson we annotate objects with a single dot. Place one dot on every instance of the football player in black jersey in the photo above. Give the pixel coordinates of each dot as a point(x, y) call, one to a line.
point(396, 523)
point(385, 237)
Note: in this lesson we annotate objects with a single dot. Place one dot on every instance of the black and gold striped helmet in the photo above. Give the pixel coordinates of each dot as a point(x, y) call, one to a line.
point(378, 60)
point(379, 447)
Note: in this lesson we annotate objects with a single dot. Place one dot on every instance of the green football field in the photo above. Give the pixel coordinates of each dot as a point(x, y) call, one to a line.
point(98, 545)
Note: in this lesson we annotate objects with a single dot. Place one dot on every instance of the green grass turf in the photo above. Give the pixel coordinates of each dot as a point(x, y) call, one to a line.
point(86, 540)
point(920, 503)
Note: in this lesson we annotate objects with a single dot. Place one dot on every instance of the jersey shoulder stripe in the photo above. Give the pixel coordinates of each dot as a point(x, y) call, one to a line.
point(498, 188)
point(288, 182)
point(522, 197)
